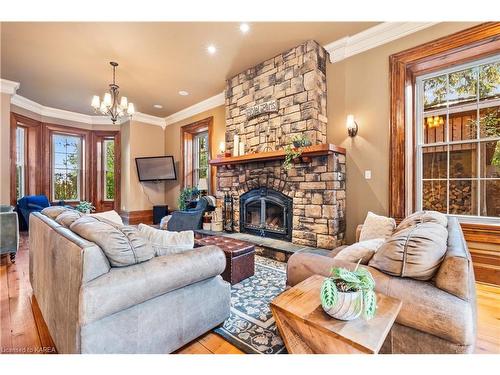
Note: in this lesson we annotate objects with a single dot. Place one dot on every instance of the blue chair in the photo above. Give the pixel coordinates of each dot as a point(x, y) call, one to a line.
point(31, 203)
point(190, 219)
point(9, 229)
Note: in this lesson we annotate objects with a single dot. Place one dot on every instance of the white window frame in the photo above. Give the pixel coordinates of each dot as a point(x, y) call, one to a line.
point(196, 158)
point(79, 169)
point(419, 118)
point(21, 159)
point(105, 166)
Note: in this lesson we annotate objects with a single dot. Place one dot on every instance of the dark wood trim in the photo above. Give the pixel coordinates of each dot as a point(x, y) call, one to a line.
point(185, 164)
point(98, 136)
point(482, 233)
point(405, 66)
point(137, 217)
point(316, 150)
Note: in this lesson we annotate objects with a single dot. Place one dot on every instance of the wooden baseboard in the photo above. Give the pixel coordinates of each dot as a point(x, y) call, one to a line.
point(484, 246)
point(137, 217)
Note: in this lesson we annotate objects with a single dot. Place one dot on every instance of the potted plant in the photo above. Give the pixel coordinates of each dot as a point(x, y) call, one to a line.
point(187, 195)
point(301, 141)
point(291, 155)
point(85, 207)
point(345, 295)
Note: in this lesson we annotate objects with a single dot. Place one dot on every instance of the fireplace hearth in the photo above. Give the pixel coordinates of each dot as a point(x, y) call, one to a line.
point(266, 213)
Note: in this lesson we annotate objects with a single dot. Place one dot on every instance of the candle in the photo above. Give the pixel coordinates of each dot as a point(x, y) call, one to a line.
point(242, 149)
point(236, 143)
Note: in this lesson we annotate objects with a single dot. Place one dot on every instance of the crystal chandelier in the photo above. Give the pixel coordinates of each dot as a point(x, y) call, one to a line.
point(111, 105)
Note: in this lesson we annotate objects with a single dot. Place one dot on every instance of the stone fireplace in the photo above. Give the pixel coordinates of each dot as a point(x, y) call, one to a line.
point(306, 203)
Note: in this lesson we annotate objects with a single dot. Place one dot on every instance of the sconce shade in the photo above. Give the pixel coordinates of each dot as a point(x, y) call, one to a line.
point(96, 102)
point(352, 126)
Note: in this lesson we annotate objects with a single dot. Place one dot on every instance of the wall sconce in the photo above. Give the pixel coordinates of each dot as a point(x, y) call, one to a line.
point(352, 126)
point(222, 147)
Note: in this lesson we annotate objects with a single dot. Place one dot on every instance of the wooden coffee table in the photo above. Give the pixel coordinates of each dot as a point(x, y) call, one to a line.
point(307, 329)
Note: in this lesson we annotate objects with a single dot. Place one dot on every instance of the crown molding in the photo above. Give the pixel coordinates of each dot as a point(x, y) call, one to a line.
point(373, 37)
point(62, 114)
point(202, 106)
point(148, 119)
point(8, 87)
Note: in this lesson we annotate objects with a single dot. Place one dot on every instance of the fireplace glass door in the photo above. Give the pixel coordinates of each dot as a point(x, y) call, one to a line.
point(267, 213)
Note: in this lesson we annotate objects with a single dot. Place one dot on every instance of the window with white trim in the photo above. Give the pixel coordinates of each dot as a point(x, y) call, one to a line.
point(66, 167)
point(20, 162)
point(458, 141)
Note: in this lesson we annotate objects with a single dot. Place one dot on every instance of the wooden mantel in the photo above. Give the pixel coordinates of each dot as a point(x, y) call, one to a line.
point(316, 150)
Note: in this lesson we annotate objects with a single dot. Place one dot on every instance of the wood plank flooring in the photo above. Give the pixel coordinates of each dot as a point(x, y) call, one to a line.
point(22, 329)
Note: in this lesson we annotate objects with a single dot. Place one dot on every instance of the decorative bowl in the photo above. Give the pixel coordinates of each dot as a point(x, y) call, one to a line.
point(349, 306)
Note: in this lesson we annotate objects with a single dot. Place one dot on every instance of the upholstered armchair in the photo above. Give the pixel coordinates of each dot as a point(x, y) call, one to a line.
point(190, 219)
point(31, 203)
point(9, 229)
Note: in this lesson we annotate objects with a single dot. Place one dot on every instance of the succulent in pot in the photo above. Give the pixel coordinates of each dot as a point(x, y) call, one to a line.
point(301, 141)
point(345, 295)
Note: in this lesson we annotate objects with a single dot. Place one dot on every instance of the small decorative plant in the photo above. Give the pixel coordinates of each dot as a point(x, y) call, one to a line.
point(346, 294)
point(85, 207)
point(294, 153)
point(301, 140)
point(186, 196)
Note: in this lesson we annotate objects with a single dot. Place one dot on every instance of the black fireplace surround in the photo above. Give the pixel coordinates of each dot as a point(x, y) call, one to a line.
point(267, 213)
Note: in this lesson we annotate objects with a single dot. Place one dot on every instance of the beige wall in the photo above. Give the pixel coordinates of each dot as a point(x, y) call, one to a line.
point(359, 85)
point(4, 149)
point(139, 139)
point(173, 146)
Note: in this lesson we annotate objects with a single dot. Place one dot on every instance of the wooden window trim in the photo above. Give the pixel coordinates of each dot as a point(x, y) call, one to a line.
point(470, 44)
point(187, 134)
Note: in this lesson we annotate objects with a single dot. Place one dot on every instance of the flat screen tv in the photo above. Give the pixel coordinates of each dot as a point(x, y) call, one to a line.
point(156, 168)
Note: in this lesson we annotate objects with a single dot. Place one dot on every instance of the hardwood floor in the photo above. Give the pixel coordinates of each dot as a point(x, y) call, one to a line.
point(22, 329)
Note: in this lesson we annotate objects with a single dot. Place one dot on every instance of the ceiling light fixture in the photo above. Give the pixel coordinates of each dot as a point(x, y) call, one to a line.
point(244, 28)
point(211, 49)
point(111, 105)
point(183, 93)
point(158, 106)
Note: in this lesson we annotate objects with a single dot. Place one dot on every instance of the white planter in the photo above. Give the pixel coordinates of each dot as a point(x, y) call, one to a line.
point(349, 306)
point(207, 226)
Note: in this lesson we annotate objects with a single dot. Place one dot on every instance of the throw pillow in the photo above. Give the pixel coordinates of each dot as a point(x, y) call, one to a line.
point(414, 252)
point(165, 242)
point(123, 246)
point(66, 218)
point(423, 217)
point(109, 215)
point(376, 226)
point(363, 250)
point(54, 211)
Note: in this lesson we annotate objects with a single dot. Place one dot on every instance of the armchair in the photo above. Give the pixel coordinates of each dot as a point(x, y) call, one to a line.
point(190, 219)
point(31, 203)
point(9, 229)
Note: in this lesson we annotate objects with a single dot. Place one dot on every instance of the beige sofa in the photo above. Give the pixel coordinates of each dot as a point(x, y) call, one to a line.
point(152, 307)
point(436, 317)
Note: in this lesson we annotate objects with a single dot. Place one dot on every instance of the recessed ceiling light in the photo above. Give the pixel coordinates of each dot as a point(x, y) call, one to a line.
point(211, 49)
point(183, 93)
point(244, 28)
point(159, 106)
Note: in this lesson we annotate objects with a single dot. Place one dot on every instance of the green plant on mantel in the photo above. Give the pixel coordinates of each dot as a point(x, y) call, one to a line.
point(291, 153)
point(85, 207)
point(186, 195)
point(345, 281)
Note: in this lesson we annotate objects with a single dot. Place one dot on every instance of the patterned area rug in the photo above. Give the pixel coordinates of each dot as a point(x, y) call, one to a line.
point(251, 326)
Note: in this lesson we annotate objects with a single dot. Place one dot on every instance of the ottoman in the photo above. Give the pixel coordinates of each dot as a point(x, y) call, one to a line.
point(240, 256)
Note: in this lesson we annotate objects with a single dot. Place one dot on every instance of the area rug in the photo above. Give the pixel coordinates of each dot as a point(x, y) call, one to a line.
point(250, 326)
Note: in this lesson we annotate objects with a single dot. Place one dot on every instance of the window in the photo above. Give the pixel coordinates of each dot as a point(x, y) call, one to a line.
point(108, 167)
point(20, 162)
point(200, 157)
point(458, 140)
point(66, 167)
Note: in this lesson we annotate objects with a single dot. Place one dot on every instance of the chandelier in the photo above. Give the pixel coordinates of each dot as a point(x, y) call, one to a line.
point(111, 105)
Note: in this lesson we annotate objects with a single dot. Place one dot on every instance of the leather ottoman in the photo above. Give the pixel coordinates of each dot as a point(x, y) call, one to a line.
point(240, 256)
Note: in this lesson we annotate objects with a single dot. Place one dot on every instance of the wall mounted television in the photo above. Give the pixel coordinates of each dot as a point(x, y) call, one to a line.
point(156, 168)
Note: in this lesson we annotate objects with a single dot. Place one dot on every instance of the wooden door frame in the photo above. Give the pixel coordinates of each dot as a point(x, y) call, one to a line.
point(187, 134)
point(94, 178)
point(455, 49)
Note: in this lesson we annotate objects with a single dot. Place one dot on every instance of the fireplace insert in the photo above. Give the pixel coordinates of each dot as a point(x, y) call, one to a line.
point(267, 213)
